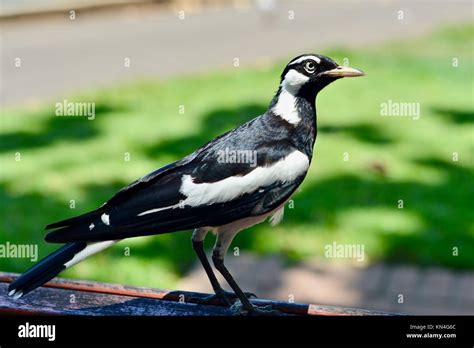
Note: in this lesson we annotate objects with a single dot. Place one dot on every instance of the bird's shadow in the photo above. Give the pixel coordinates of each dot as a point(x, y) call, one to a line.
point(153, 307)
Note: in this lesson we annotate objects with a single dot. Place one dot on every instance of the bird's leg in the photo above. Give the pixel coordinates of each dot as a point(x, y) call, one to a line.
point(245, 307)
point(219, 292)
point(198, 246)
point(224, 238)
point(219, 264)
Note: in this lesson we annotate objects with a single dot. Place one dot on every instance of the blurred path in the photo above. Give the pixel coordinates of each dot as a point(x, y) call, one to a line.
point(429, 291)
point(59, 55)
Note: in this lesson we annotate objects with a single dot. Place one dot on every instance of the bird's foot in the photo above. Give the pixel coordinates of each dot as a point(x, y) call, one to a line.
point(238, 309)
point(225, 296)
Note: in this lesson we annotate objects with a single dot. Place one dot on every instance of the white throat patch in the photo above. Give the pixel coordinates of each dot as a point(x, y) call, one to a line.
point(285, 106)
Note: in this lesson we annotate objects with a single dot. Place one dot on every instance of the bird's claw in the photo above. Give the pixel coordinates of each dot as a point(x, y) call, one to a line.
point(238, 309)
point(248, 294)
point(226, 296)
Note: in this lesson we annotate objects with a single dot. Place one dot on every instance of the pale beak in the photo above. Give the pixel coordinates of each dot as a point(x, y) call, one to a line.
point(343, 71)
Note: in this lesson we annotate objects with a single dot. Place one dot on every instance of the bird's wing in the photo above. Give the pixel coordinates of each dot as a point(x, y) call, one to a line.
point(255, 203)
point(204, 189)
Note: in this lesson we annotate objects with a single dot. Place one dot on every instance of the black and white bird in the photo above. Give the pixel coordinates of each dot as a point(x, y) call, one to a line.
point(205, 193)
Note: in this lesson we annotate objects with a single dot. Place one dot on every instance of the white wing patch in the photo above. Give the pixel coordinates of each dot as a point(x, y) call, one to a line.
point(159, 209)
point(287, 169)
point(105, 219)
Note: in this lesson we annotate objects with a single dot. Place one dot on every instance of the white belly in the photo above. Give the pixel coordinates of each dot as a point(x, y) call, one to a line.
point(242, 224)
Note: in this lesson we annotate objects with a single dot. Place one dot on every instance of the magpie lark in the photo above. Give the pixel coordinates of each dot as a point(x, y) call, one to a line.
point(205, 193)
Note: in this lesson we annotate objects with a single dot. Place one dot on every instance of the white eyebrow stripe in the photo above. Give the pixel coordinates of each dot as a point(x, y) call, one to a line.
point(299, 60)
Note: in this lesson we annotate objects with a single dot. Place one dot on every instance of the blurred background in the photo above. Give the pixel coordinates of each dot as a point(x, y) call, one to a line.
point(167, 76)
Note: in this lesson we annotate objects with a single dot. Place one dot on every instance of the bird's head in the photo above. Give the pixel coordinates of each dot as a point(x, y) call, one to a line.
point(307, 74)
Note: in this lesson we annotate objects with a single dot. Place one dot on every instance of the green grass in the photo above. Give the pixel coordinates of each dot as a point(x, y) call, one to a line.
point(354, 201)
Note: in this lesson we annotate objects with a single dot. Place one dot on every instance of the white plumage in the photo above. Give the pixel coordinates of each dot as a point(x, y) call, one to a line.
point(287, 169)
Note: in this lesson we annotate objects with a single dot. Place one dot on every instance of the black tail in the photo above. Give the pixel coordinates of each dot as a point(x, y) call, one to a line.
point(44, 270)
point(84, 218)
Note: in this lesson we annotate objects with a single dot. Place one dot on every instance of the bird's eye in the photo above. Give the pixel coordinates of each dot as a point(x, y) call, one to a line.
point(310, 67)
